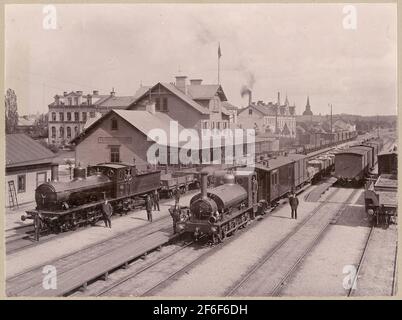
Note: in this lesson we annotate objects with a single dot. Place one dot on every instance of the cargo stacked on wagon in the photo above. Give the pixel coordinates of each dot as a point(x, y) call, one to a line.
point(219, 211)
point(381, 194)
point(62, 206)
point(181, 180)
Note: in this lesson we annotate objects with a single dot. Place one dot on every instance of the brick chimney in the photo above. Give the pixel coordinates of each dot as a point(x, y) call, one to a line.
point(195, 82)
point(181, 83)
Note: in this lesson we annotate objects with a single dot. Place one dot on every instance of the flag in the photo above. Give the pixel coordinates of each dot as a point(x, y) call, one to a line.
point(219, 51)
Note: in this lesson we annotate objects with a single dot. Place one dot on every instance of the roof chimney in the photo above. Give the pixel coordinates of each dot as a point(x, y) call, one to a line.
point(112, 93)
point(96, 92)
point(64, 93)
point(195, 82)
point(181, 83)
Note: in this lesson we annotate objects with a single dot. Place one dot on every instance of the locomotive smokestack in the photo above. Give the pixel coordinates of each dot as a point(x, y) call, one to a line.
point(204, 184)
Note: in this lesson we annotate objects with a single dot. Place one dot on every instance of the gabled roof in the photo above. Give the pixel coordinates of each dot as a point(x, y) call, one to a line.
point(22, 150)
point(142, 120)
point(117, 102)
point(229, 106)
point(206, 91)
point(266, 111)
point(173, 89)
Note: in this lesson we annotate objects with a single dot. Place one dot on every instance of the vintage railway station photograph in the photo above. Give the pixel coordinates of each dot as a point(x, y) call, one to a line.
point(201, 150)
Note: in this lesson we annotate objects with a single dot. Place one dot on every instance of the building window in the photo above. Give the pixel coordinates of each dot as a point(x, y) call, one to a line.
point(115, 154)
point(84, 116)
point(53, 116)
point(53, 132)
point(92, 114)
point(61, 132)
point(165, 104)
point(205, 125)
point(21, 183)
point(68, 132)
point(76, 116)
point(114, 124)
point(61, 116)
point(68, 116)
point(75, 131)
point(158, 104)
point(76, 101)
point(70, 101)
point(250, 112)
point(41, 177)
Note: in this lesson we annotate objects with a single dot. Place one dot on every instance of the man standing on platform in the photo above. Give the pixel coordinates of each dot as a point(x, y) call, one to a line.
point(156, 200)
point(294, 202)
point(107, 211)
point(148, 207)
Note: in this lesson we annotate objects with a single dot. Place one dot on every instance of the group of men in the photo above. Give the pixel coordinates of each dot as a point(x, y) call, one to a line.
point(152, 203)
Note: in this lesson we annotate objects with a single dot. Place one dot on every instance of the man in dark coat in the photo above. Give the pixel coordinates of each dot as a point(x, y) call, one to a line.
point(156, 200)
point(148, 207)
point(175, 214)
point(293, 202)
point(107, 211)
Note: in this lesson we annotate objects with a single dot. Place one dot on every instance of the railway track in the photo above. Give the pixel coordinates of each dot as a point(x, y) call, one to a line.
point(283, 260)
point(350, 292)
point(365, 281)
point(32, 278)
point(24, 238)
point(188, 256)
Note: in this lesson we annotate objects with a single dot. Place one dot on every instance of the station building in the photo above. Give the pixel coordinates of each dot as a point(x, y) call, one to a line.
point(28, 164)
point(125, 135)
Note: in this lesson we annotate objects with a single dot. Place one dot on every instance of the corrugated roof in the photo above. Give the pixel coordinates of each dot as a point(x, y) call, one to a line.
point(23, 150)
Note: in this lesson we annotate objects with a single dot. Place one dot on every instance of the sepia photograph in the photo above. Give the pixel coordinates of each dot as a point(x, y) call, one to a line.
point(190, 150)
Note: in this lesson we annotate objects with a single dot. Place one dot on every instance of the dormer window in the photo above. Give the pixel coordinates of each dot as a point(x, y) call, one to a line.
point(250, 112)
point(114, 124)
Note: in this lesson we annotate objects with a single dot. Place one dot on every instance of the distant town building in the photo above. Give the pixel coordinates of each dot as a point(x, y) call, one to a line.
point(307, 111)
point(28, 164)
point(270, 117)
point(69, 112)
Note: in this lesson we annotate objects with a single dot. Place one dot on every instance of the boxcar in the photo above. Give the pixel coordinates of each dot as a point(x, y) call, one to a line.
point(275, 178)
point(351, 164)
point(369, 154)
point(388, 162)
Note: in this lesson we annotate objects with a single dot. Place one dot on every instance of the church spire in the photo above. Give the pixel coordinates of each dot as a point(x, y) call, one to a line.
point(308, 111)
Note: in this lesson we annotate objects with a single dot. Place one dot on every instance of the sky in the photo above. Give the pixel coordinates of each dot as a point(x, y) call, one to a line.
point(299, 50)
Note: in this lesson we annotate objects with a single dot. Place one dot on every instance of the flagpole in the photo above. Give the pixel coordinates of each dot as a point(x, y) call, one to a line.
point(219, 62)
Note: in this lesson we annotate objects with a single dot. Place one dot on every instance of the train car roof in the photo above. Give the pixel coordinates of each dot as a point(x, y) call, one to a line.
point(360, 147)
point(387, 181)
point(113, 165)
point(359, 152)
point(274, 163)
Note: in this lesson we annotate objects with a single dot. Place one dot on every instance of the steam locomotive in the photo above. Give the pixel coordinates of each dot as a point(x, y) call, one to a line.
point(62, 206)
point(221, 210)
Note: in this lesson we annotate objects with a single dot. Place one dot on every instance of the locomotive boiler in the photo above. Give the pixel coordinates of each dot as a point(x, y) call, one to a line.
point(219, 211)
